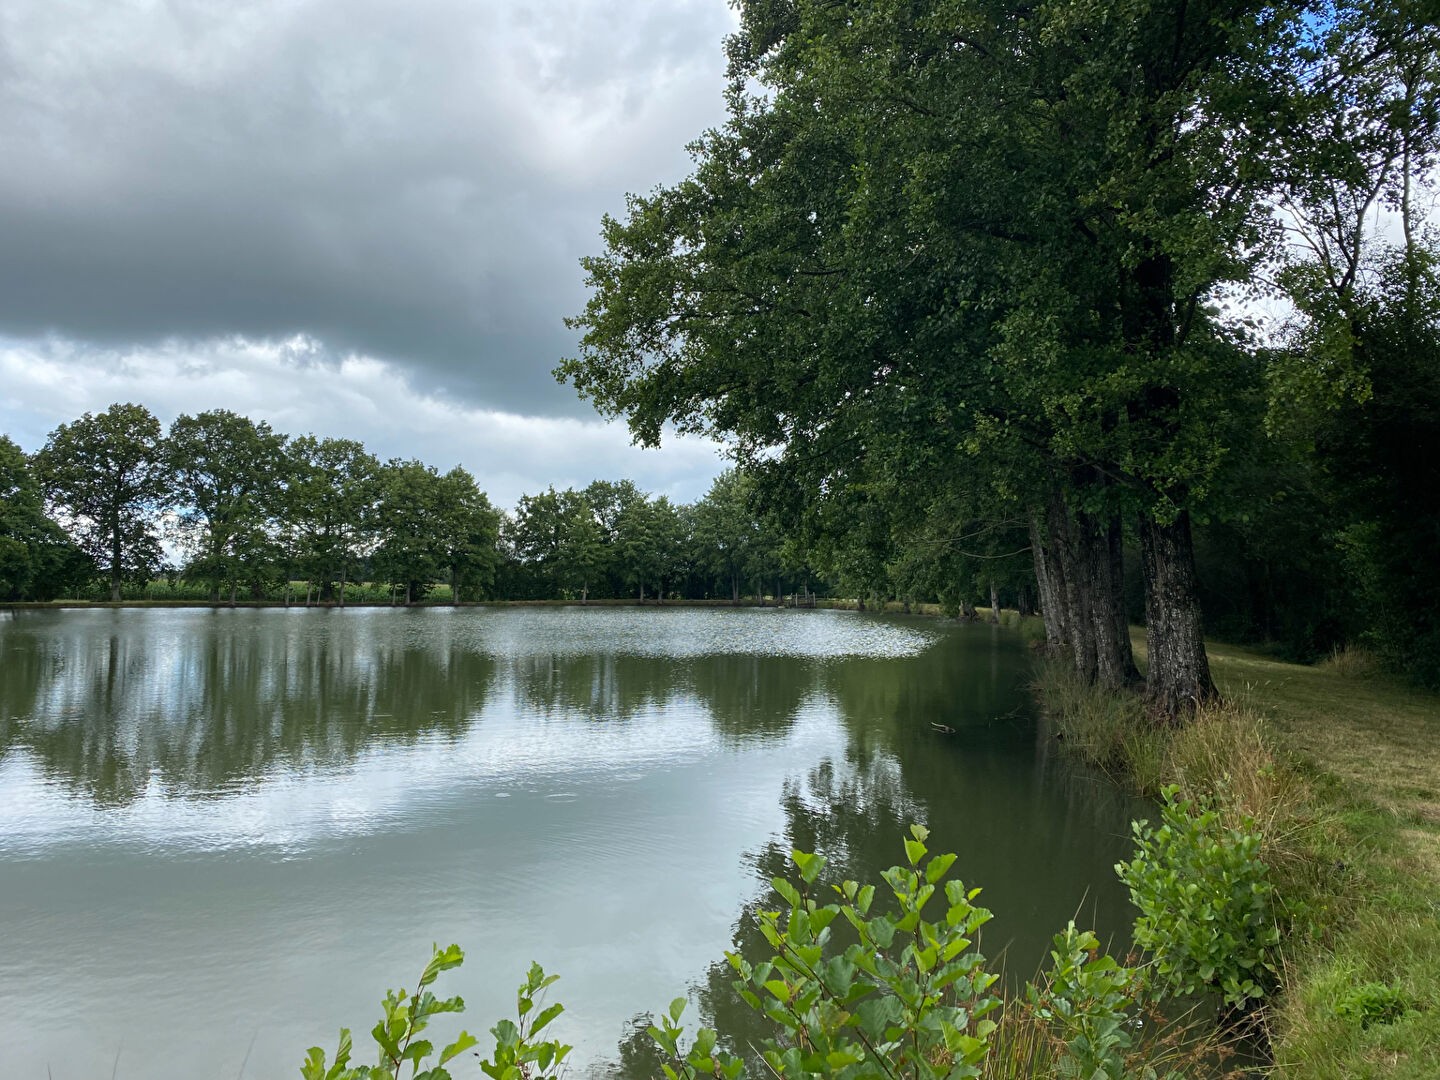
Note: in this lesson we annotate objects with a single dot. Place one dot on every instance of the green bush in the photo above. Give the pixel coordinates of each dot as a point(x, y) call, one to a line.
point(1086, 1000)
point(1205, 900)
point(908, 997)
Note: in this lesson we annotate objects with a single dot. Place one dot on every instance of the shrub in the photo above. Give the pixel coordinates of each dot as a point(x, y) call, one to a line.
point(1086, 1000)
point(908, 997)
point(1205, 902)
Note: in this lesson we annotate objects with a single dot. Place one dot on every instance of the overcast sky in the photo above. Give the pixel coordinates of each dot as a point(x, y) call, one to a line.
point(350, 217)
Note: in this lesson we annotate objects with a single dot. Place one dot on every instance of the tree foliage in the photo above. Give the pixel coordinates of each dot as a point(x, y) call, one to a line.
point(107, 478)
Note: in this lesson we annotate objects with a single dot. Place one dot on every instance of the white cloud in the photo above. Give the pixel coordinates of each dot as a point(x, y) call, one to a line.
point(299, 387)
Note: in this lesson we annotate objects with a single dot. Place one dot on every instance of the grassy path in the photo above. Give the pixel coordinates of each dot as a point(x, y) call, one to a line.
point(1364, 983)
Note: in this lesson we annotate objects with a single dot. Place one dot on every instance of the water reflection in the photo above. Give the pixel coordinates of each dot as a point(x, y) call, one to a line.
point(309, 798)
point(201, 702)
point(111, 702)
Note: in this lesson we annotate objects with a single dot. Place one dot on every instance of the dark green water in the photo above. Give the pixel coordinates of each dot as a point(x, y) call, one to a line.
point(223, 834)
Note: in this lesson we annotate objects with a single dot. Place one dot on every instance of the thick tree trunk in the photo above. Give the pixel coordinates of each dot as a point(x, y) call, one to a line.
point(408, 594)
point(234, 587)
point(735, 590)
point(1178, 678)
point(342, 588)
point(994, 604)
point(1080, 566)
point(454, 588)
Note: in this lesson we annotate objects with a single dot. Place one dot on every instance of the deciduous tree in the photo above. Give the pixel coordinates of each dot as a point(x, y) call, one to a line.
point(107, 478)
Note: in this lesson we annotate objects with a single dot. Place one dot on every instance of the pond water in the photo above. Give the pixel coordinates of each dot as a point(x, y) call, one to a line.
point(225, 833)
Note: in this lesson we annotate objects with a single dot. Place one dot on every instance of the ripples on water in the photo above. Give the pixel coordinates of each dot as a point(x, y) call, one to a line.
point(226, 827)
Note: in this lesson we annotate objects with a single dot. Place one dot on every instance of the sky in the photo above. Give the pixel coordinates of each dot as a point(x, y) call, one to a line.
point(348, 217)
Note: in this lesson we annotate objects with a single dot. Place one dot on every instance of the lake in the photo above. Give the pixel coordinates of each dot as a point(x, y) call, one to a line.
point(225, 833)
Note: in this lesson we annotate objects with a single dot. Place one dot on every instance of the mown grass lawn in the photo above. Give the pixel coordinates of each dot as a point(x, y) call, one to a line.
point(1364, 988)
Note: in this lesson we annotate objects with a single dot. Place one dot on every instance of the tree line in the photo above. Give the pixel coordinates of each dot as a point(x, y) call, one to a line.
point(245, 506)
point(989, 271)
point(250, 512)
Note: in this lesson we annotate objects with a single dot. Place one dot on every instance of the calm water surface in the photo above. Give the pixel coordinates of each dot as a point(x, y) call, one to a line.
point(223, 834)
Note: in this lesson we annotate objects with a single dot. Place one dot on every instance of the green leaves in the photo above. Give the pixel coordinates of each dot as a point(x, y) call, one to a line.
point(406, 1015)
point(519, 1054)
point(1085, 998)
point(906, 998)
point(1205, 901)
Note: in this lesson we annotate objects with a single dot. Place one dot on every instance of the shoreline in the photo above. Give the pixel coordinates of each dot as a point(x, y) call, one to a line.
point(1339, 769)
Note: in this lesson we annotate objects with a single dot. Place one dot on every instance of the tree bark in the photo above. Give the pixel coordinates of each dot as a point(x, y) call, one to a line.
point(1178, 679)
point(1049, 585)
point(1081, 565)
point(994, 604)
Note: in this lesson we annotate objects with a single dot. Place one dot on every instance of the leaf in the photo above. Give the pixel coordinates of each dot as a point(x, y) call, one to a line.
point(462, 1043)
point(938, 867)
point(546, 1015)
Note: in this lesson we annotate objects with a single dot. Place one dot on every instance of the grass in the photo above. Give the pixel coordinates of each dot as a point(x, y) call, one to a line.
point(1340, 765)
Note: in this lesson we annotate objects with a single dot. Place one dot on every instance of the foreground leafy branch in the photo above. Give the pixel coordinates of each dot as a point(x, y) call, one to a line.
point(886, 984)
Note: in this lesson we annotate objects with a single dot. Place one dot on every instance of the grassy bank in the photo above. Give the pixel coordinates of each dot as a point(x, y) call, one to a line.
point(1340, 766)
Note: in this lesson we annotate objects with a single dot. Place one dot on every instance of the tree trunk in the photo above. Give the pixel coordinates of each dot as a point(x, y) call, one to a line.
point(115, 563)
point(342, 588)
point(994, 604)
point(1049, 585)
point(1178, 678)
point(234, 587)
point(1083, 562)
point(408, 594)
point(454, 588)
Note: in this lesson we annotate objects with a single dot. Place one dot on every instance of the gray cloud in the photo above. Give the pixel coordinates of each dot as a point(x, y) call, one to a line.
point(412, 182)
